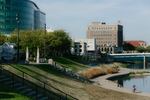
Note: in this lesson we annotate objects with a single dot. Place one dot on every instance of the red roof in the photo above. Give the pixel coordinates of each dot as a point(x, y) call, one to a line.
point(136, 43)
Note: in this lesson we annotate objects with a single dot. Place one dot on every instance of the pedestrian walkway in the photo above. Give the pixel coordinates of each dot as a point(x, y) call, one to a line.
point(103, 82)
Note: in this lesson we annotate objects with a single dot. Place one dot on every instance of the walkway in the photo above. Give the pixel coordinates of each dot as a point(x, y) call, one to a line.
point(107, 84)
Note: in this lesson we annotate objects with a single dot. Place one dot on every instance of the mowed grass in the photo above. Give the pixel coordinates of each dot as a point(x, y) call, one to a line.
point(34, 73)
point(80, 90)
point(70, 64)
point(9, 94)
point(64, 62)
point(42, 72)
point(55, 79)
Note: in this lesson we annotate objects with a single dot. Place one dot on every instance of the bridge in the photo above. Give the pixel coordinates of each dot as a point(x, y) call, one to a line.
point(131, 56)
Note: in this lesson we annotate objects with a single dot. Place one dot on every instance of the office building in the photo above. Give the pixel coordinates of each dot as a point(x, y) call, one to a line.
point(22, 14)
point(84, 46)
point(109, 38)
point(79, 48)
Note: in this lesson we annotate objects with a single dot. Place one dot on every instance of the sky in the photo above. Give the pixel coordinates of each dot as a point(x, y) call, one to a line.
point(74, 16)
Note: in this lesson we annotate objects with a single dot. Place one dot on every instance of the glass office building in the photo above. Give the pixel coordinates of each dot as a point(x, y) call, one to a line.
point(28, 13)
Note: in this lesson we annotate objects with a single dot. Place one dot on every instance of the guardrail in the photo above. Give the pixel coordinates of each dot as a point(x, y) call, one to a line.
point(39, 85)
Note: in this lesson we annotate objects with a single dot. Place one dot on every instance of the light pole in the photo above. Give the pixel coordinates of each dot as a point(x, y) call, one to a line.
point(45, 40)
point(17, 20)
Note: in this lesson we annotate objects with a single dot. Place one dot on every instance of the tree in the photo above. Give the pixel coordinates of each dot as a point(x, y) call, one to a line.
point(29, 41)
point(141, 49)
point(13, 38)
point(128, 47)
point(148, 48)
point(32, 40)
point(59, 42)
point(3, 39)
point(55, 43)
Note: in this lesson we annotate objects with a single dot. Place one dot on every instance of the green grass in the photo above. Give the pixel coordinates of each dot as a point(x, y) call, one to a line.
point(47, 69)
point(35, 74)
point(45, 74)
point(31, 70)
point(64, 62)
point(70, 64)
point(9, 94)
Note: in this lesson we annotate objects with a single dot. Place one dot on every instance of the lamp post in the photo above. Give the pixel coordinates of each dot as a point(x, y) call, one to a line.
point(45, 40)
point(17, 20)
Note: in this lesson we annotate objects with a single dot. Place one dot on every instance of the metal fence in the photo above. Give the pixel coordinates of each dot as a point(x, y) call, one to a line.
point(40, 86)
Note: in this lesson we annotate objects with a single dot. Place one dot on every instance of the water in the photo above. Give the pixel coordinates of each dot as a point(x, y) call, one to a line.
point(142, 83)
point(134, 62)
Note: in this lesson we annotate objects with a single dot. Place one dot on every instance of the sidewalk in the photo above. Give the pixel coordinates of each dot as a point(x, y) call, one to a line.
point(103, 82)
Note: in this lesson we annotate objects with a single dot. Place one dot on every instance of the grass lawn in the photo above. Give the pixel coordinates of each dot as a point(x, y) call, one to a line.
point(64, 62)
point(70, 64)
point(30, 69)
point(79, 90)
point(8, 94)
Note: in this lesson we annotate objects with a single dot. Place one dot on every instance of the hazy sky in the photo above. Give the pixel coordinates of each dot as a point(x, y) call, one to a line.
point(75, 15)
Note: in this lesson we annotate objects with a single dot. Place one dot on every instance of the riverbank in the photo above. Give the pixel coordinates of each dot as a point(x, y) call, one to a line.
point(103, 82)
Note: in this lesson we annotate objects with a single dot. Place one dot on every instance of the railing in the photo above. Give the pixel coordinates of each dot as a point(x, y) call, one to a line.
point(39, 85)
point(130, 54)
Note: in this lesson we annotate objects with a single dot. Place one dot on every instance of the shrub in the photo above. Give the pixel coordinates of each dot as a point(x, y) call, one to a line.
point(98, 71)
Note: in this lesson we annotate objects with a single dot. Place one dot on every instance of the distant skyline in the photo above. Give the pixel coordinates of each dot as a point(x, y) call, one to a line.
point(75, 15)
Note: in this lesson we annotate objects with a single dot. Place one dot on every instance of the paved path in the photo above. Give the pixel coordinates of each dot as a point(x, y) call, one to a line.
point(103, 82)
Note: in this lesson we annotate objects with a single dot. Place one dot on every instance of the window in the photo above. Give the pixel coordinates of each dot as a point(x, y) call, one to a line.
point(80, 50)
point(75, 46)
point(75, 51)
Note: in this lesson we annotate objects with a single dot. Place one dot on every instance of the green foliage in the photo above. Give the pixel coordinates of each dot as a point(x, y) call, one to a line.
point(141, 49)
point(55, 43)
point(70, 64)
point(32, 39)
point(2, 39)
point(59, 42)
point(128, 47)
point(13, 38)
point(148, 49)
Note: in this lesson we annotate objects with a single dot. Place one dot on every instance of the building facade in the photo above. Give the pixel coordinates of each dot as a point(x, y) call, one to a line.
point(27, 12)
point(109, 38)
point(91, 44)
point(79, 48)
point(84, 46)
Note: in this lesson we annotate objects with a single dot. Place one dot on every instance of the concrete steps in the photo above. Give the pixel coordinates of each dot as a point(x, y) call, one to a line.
point(24, 89)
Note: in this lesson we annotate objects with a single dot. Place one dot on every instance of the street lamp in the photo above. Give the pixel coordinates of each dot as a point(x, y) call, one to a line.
point(17, 20)
point(45, 41)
